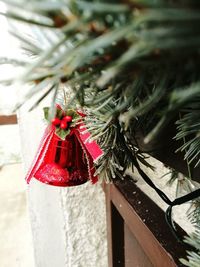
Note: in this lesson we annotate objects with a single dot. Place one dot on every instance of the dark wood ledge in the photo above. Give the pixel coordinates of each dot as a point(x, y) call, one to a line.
point(137, 230)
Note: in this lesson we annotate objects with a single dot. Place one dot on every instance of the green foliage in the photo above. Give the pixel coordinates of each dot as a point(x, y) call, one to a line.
point(60, 113)
point(193, 258)
point(133, 65)
point(62, 133)
point(189, 129)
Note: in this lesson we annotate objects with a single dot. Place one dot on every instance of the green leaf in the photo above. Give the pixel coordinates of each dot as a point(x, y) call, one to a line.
point(73, 114)
point(46, 113)
point(62, 133)
point(59, 113)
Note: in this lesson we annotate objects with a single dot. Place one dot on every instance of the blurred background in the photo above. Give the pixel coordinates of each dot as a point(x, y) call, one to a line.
point(15, 233)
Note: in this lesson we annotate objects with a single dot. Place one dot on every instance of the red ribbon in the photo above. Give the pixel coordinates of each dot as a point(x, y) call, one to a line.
point(85, 138)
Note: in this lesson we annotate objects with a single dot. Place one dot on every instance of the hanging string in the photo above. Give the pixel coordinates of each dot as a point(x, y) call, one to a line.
point(178, 201)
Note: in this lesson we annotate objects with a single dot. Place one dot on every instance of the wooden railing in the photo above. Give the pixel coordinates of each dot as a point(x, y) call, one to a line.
point(10, 119)
point(138, 235)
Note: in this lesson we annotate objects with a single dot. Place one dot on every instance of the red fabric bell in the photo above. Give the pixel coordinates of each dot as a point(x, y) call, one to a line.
point(62, 162)
point(52, 173)
point(65, 156)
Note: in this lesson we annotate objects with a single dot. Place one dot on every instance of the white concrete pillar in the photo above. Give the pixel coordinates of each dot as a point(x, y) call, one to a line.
point(68, 224)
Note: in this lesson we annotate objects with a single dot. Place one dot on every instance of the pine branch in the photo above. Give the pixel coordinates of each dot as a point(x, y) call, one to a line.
point(130, 63)
point(193, 258)
point(189, 128)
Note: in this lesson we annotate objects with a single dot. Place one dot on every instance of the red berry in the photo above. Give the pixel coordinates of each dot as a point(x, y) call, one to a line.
point(55, 121)
point(63, 125)
point(67, 118)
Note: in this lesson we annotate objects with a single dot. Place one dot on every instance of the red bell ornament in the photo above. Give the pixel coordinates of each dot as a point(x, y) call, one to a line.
point(65, 160)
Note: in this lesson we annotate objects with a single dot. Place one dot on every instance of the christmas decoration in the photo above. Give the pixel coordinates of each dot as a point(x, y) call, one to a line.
point(66, 156)
point(133, 64)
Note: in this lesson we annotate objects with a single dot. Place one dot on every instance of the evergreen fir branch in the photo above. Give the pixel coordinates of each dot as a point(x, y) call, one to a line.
point(118, 156)
point(30, 19)
point(26, 42)
point(178, 99)
point(131, 64)
point(36, 6)
point(45, 94)
point(103, 7)
point(189, 128)
point(35, 89)
point(13, 61)
point(143, 34)
point(193, 258)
